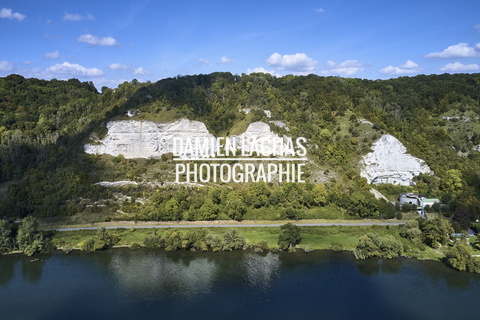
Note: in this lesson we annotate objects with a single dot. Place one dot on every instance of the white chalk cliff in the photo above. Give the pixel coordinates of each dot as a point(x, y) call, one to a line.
point(146, 139)
point(259, 137)
point(389, 163)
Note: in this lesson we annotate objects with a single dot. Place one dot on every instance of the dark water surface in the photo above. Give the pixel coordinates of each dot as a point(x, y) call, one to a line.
point(153, 284)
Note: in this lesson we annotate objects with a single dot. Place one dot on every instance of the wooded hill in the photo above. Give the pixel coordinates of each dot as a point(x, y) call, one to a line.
point(45, 172)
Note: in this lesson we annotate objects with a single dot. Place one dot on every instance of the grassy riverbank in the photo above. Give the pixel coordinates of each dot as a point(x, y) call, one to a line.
point(313, 237)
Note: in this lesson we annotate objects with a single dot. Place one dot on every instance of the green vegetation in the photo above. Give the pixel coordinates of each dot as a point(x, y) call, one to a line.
point(289, 236)
point(422, 235)
point(24, 237)
point(44, 171)
point(414, 239)
point(372, 245)
point(460, 257)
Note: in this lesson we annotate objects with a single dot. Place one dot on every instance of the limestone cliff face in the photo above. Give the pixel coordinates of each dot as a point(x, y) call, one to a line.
point(146, 139)
point(389, 163)
point(259, 134)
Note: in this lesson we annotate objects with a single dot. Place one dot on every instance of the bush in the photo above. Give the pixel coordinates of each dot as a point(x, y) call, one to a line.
point(289, 236)
point(214, 241)
point(372, 245)
point(232, 240)
point(460, 258)
point(135, 246)
point(261, 246)
point(153, 241)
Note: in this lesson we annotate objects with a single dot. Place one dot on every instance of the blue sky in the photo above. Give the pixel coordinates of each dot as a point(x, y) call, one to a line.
point(109, 42)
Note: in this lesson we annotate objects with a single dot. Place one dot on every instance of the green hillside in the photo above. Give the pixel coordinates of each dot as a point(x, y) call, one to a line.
point(45, 172)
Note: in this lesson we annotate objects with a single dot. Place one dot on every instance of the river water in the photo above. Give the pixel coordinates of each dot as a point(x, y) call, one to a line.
point(154, 284)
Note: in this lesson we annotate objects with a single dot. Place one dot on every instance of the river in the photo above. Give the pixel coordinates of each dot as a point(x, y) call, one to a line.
point(154, 284)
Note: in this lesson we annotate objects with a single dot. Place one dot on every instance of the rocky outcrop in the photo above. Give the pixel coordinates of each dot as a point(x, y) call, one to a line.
point(260, 136)
point(280, 124)
point(389, 163)
point(146, 139)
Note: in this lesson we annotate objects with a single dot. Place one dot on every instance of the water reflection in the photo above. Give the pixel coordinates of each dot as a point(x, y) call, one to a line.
point(32, 268)
point(260, 270)
point(438, 272)
point(368, 267)
point(6, 270)
point(157, 276)
point(240, 285)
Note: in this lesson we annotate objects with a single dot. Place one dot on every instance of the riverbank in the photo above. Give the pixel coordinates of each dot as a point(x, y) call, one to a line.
point(332, 237)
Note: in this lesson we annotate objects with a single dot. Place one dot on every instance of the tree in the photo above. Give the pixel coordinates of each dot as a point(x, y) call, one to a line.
point(386, 209)
point(451, 184)
point(209, 210)
point(235, 206)
point(372, 245)
point(289, 236)
point(436, 231)
point(214, 241)
point(26, 232)
point(412, 232)
point(368, 246)
point(172, 240)
point(104, 239)
point(460, 257)
point(30, 240)
point(172, 211)
point(320, 195)
point(232, 240)
point(6, 243)
point(153, 241)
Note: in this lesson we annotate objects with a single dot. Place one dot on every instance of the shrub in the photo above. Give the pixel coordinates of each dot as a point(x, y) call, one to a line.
point(460, 258)
point(232, 240)
point(289, 236)
point(372, 245)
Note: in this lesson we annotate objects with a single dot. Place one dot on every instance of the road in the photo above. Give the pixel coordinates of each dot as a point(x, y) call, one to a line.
point(330, 224)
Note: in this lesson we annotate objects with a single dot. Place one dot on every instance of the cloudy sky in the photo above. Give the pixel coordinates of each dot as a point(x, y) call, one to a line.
point(109, 42)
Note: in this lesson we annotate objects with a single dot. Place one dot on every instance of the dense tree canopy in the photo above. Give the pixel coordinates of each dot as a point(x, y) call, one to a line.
point(43, 125)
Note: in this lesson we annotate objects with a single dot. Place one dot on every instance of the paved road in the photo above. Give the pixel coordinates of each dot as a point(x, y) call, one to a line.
point(236, 225)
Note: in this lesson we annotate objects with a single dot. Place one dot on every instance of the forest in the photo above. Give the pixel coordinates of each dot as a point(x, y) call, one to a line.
point(45, 172)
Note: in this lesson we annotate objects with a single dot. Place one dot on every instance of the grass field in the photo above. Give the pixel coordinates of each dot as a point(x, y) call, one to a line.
point(345, 237)
point(313, 237)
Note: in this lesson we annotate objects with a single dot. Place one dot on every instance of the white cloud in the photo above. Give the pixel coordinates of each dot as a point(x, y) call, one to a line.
point(319, 10)
point(72, 70)
point(226, 60)
point(409, 64)
point(298, 62)
point(141, 71)
point(52, 55)
point(459, 67)
point(6, 66)
point(461, 50)
point(96, 40)
point(477, 26)
point(409, 67)
point(347, 68)
point(77, 17)
point(263, 70)
point(202, 61)
point(119, 66)
point(8, 14)
point(129, 69)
